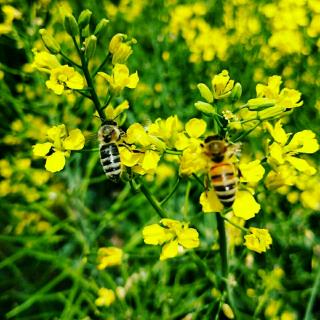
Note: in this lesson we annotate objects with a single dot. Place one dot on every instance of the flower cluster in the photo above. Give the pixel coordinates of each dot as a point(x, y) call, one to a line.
point(108, 257)
point(60, 144)
point(172, 235)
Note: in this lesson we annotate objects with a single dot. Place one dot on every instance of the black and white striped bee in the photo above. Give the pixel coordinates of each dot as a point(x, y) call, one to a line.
point(109, 135)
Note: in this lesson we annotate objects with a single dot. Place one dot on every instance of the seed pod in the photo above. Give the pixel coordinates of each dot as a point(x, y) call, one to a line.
point(204, 107)
point(205, 92)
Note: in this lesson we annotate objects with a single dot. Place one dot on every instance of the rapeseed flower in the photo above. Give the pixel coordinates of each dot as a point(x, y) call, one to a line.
point(63, 78)
point(259, 240)
point(105, 297)
point(59, 146)
point(108, 257)
point(120, 78)
point(172, 235)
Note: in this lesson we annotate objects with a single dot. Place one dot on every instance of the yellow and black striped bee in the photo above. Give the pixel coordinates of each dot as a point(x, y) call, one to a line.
point(109, 135)
point(222, 172)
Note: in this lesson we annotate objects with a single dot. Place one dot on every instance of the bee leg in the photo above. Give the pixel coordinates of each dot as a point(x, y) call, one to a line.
point(206, 184)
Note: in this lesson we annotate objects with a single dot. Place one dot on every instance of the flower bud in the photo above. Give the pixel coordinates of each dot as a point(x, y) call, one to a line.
point(71, 26)
point(205, 92)
point(101, 27)
point(205, 107)
point(50, 43)
point(116, 42)
point(85, 32)
point(260, 103)
point(122, 54)
point(84, 18)
point(227, 311)
point(236, 92)
point(90, 44)
point(270, 112)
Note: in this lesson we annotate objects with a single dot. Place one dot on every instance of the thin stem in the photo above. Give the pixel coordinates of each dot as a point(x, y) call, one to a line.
point(246, 133)
point(234, 224)
point(69, 60)
point(153, 201)
point(198, 180)
point(94, 96)
point(308, 314)
point(83, 94)
point(224, 259)
point(105, 60)
point(171, 193)
point(175, 152)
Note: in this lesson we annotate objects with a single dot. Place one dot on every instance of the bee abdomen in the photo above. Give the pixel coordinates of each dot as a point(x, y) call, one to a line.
point(110, 160)
point(224, 182)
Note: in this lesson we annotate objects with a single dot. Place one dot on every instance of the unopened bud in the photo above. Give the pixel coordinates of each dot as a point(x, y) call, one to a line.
point(205, 92)
point(101, 27)
point(270, 112)
point(260, 103)
point(71, 26)
point(227, 311)
point(204, 107)
point(85, 32)
point(236, 92)
point(122, 54)
point(84, 18)
point(90, 44)
point(50, 43)
point(116, 42)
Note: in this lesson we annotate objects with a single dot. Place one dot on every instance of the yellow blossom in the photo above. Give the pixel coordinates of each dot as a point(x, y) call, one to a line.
point(113, 113)
point(251, 172)
point(222, 85)
point(106, 297)
point(245, 206)
point(45, 61)
point(259, 240)
point(172, 234)
point(120, 78)
point(196, 127)
point(59, 146)
point(210, 202)
point(109, 256)
point(63, 78)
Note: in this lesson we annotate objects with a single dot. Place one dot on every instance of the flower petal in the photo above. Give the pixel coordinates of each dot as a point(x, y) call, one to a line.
point(75, 140)
point(41, 149)
point(56, 162)
point(245, 206)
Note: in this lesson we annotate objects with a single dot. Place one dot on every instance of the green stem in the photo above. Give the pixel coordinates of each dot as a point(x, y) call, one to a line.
point(171, 193)
point(234, 224)
point(224, 259)
point(153, 201)
point(69, 60)
point(246, 133)
point(308, 314)
point(175, 152)
point(94, 96)
point(101, 65)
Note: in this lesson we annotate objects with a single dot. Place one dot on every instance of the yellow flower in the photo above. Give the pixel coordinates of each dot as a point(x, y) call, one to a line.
point(9, 14)
point(113, 113)
point(45, 61)
point(251, 172)
point(172, 234)
point(280, 152)
point(120, 78)
point(245, 206)
point(210, 202)
point(109, 256)
point(259, 240)
point(63, 78)
point(59, 146)
point(222, 85)
point(196, 127)
point(106, 297)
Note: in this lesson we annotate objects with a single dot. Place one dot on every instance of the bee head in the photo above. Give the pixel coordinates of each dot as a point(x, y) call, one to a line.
point(215, 148)
point(109, 132)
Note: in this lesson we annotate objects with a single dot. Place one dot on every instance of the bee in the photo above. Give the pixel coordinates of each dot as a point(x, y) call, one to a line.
point(222, 172)
point(109, 134)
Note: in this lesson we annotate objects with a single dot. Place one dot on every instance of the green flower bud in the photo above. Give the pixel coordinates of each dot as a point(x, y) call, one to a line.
point(205, 92)
point(85, 32)
point(101, 27)
point(50, 43)
point(71, 26)
point(260, 103)
point(90, 44)
point(205, 107)
point(84, 18)
point(270, 112)
point(236, 92)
